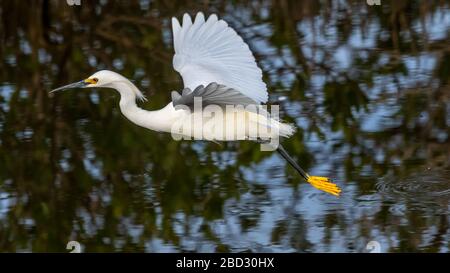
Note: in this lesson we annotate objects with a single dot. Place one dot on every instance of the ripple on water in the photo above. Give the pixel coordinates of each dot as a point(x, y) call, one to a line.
point(420, 186)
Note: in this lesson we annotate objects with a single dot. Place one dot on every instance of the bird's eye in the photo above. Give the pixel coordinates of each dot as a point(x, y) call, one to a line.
point(91, 80)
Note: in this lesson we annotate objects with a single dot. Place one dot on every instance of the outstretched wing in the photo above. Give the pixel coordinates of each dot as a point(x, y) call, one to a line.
point(211, 51)
point(213, 93)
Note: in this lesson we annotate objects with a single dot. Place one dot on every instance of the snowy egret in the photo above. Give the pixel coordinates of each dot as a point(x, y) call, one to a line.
point(218, 68)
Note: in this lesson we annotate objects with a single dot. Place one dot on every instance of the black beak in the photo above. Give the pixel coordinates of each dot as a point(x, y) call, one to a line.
point(79, 84)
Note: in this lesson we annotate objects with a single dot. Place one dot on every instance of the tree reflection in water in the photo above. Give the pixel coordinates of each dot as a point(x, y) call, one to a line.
point(367, 85)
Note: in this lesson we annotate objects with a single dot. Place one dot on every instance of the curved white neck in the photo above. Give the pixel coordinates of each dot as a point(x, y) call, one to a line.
point(155, 120)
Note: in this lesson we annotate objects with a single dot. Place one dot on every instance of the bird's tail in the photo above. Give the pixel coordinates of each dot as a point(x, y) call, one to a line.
point(321, 183)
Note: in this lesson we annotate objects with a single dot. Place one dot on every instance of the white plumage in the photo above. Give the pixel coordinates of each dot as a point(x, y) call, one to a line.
point(211, 51)
point(217, 66)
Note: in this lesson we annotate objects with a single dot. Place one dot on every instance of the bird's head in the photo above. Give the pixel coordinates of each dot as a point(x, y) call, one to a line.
point(106, 79)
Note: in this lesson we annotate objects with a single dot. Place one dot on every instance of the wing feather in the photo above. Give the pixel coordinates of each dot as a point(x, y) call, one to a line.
point(213, 93)
point(211, 51)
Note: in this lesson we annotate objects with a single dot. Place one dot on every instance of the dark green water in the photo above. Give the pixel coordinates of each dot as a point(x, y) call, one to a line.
point(368, 87)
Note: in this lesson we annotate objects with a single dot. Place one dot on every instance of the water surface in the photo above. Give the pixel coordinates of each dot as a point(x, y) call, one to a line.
point(368, 87)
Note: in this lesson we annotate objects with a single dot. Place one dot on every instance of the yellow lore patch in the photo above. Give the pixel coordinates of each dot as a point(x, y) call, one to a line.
point(91, 80)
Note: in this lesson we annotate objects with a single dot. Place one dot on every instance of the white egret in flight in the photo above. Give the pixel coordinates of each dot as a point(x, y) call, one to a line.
point(217, 67)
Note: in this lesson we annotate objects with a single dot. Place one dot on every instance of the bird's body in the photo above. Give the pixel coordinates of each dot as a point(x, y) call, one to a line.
point(258, 123)
point(219, 72)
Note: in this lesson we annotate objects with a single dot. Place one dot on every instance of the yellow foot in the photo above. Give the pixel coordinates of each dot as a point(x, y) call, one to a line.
point(324, 184)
